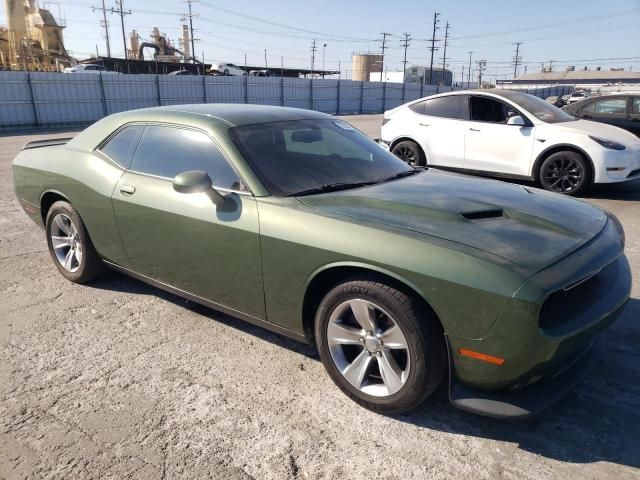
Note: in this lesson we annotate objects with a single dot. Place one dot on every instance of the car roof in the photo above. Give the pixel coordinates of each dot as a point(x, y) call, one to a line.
point(512, 95)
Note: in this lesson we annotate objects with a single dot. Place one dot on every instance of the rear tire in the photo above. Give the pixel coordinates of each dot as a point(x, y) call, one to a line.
point(410, 152)
point(69, 244)
point(394, 363)
point(565, 172)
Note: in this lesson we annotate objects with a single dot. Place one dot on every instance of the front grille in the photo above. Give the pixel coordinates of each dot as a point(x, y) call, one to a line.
point(575, 299)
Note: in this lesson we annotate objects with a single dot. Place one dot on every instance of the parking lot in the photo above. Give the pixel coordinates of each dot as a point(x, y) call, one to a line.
point(118, 379)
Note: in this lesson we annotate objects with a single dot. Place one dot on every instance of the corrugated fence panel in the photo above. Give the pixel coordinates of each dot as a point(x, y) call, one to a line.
point(350, 97)
point(297, 92)
point(176, 90)
point(15, 100)
point(325, 94)
point(264, 90)
point(63, 99)
point(66, 99)
point(226, 89)
point(127, 92)
point(393, 97)
point(372, 97)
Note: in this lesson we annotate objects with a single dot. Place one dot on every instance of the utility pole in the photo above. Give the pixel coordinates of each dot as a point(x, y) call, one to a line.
point(324, 45)
point(462, 78)
point(105, 25)
point(551, 65)
point(313, 56)
point(405, 44)
point(469, 73)
point(516, 59)
point(482, 64)
point(384, 45)
point(122, 12)
point(265, 59)
point(190, 16)
point(444, 56)
point(433, 44)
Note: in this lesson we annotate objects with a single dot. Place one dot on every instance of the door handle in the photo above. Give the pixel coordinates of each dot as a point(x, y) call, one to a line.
point(474, 129)
point(424, 124)
point(127, 189)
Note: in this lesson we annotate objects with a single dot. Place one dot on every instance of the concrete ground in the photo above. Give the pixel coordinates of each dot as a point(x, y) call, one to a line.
point(120, 380)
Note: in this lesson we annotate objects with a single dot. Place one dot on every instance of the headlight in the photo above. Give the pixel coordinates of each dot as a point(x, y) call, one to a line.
point(607, 143)
point(619, 227)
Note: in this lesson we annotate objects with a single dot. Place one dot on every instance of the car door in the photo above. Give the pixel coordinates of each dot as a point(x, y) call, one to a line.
point(438, 128)
point(612, 110)
point(634, 117)
point(185, 240)
point(490, 144)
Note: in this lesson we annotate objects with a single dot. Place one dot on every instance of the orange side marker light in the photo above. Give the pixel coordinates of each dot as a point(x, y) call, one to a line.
point(481, 356)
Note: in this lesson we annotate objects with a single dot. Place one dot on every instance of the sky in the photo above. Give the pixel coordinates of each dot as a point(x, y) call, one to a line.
point(583, 33)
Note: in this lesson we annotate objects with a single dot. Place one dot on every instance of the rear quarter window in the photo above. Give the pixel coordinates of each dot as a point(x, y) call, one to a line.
point(121, 146)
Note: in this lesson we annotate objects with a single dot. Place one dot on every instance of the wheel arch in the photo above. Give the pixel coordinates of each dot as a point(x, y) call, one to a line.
point(47, 199)
point(560, 147)
point(322, 280)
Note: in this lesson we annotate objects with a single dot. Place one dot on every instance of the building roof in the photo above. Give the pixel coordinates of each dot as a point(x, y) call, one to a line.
point(593, 75)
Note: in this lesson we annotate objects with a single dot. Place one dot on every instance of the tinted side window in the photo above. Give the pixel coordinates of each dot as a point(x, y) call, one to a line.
point(485, 109)
point(121, 147)
point(447, 107)
point(635, 105)
point(611, 105)
point(587, 107)
point(168, 151)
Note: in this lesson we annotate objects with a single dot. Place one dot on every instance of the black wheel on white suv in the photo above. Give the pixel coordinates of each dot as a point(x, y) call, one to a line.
point(565, 172)
point(410, 152)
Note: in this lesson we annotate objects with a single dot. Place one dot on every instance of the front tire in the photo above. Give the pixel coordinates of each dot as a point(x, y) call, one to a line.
point(380, 346)
point(565, 172)
point(410, 152)
point(69, 244)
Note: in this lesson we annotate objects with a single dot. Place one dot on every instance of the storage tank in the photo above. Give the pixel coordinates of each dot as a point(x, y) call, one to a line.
point(364, 64)
point(17, 11)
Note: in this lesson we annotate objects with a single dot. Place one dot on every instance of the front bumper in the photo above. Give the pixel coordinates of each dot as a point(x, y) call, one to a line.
point(534, 398)
point(612, 166)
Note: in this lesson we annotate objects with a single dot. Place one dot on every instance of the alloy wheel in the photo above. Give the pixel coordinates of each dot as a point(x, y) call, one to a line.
point(368, 348)
point(562, 175)
point(406, 153)
point(66, 243)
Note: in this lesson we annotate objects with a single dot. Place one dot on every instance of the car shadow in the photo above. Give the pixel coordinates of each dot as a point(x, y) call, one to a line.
point(597, 421)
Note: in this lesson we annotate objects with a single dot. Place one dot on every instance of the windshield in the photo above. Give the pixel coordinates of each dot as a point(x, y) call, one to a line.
point(541, 109)
point(302, 156)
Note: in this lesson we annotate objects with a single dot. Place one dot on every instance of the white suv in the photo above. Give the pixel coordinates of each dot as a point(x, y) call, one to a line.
point(511, 134)
point(227, 69)
point(88, 68)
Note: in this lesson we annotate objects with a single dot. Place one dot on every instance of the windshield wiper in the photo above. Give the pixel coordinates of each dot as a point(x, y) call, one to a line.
point(406, 173)
point(330, 187)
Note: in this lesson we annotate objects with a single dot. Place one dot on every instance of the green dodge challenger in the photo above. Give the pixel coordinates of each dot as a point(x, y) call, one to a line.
point(294, 220)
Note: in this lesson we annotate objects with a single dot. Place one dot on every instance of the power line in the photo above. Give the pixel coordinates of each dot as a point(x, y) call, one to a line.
point(433, 44)
point(384, 44)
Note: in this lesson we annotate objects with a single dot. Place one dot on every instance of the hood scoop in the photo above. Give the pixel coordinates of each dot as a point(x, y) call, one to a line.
point(483, 214)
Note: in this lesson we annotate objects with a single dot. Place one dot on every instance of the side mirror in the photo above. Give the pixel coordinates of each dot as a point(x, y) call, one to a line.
point(516, 120)
point(197, 181)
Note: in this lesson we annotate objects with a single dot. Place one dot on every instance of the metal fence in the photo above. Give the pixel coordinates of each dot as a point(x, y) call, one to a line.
point(34, 99)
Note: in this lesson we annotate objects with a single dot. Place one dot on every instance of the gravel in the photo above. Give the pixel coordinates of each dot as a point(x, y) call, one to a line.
point(120, 380)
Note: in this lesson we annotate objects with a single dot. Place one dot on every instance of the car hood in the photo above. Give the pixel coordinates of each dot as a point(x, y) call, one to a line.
point(524, 226)
point(601, 130)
